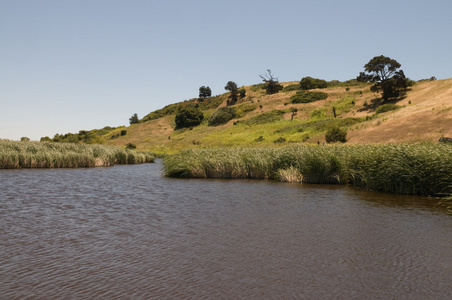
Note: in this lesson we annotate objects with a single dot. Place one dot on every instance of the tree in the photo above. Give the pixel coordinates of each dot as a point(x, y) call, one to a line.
point(204, 92)
point(134, 119)
point(188, 116)
point(385, 74)
point(231, 86)
point(272, 85)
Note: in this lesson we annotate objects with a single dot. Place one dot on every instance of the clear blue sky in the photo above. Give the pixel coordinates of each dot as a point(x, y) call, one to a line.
point(70, 65)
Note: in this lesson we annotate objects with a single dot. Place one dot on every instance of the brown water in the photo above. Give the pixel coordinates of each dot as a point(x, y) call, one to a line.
point(126, 232)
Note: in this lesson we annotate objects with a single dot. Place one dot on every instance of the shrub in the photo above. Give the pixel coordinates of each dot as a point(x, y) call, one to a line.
point(280, 140)
point(386, 107)
point(131, 146)
point(222, 116)
point(307, 96)
point(336, 134)
point(188, 116)
point(307, 83)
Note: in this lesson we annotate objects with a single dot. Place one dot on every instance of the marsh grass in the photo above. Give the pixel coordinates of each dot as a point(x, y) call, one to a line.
point(420, 169)
point(15, 155)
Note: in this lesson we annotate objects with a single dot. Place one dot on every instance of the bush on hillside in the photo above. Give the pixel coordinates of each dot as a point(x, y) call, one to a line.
point(336, 134)
point(222, 116)
point(386, 107)
point(307, 97)
point(308, 83)
point(131, 146)
point(188, 117)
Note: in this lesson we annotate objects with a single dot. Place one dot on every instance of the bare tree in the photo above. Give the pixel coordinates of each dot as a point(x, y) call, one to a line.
point(271, 83)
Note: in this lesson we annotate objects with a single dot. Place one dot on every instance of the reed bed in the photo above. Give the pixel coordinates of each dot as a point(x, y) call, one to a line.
point(418, 169)
point(15, 155)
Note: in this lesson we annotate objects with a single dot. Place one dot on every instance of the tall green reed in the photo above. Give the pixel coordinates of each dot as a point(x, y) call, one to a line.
point(424, 169)
point(15, 155)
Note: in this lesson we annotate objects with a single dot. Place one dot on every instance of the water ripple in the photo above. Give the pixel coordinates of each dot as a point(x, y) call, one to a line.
point(127, 233)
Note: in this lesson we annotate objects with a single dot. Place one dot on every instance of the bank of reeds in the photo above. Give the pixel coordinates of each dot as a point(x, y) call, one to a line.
point(14, 155)
point(418, 169)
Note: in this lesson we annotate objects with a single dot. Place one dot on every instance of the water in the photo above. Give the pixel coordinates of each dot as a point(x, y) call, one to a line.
point(126, 232)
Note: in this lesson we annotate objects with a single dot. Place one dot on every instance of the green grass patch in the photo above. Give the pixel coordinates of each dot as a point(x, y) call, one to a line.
point(222, 116)
point(292, 87)
point(344, 105)
point(244, 108)
point(267, 117)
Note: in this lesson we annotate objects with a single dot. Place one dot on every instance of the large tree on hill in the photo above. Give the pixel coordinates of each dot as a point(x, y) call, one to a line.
point(386, 75)
point(272, 85)
point(231, 86)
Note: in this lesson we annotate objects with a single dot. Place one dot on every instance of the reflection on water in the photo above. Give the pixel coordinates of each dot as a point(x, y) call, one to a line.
point(127, 232)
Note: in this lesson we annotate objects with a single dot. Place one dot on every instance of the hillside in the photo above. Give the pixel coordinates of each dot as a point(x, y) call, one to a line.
point(424, 113)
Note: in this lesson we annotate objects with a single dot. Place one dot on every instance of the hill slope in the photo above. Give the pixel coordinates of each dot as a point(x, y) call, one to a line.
point(423, 114)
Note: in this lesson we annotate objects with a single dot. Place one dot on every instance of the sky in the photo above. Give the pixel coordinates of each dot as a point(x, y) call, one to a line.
point(71, 65)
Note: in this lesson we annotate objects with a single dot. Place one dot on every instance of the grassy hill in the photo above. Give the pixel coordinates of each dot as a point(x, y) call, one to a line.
point(424, 113)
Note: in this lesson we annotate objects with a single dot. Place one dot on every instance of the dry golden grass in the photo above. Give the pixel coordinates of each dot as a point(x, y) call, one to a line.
point(426, 115)
point(427, 118)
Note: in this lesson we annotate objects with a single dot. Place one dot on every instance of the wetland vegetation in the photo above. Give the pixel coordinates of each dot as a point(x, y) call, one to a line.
point(417, 169)
point(15, 155)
